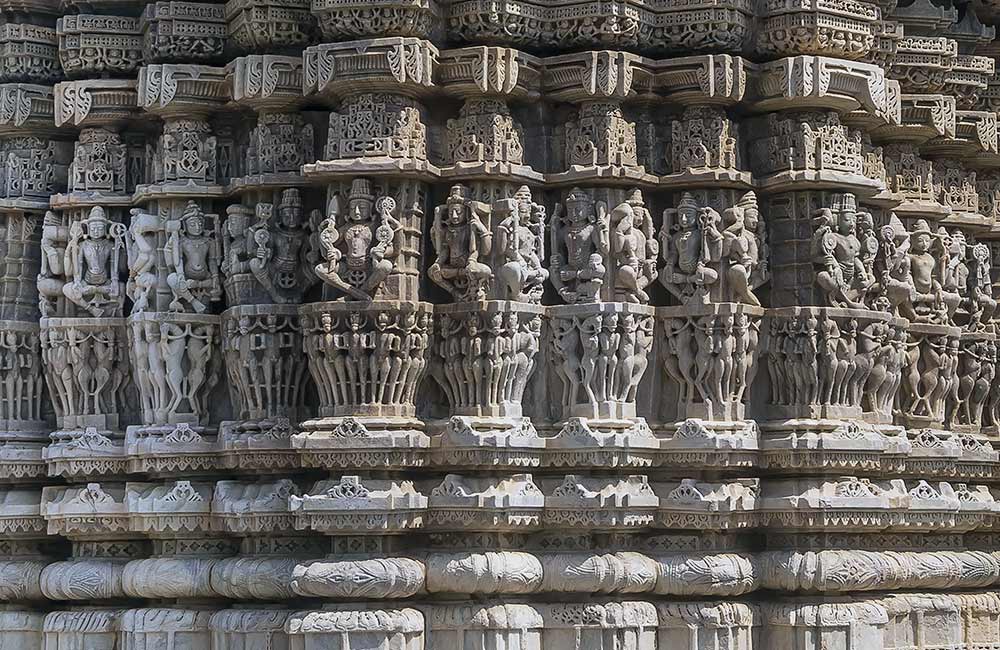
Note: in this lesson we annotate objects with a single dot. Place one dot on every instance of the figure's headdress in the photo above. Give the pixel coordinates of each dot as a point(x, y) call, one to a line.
point(921, 227)
point(361, 188)
point(687, 202)
point(576, 195)
point(291, 198)
point(456, 194)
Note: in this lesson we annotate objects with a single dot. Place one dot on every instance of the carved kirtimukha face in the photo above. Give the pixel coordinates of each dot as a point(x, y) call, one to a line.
point(327, 322)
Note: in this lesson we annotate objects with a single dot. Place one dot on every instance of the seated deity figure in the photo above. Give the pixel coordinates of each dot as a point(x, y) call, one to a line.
point(521, 244)
point(692, 246)
point(634, 249)
point(837, 254)
point(360, 242)
point(93, 259)
point(979, 288)
point(927, 303)
point(462, 240)
point(278, 261)
point(580, 247)
point(192, 255)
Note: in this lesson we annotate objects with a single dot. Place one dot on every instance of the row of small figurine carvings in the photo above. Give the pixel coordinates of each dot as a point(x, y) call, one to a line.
point(878, 623)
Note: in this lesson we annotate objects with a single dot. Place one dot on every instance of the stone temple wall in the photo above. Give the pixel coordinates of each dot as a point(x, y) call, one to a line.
point(499, 325)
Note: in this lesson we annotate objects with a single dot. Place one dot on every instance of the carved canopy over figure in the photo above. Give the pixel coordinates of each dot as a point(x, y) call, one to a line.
point(192, 255)
point(838, 255)
point(521, 245)
point(360, 242)
point(93, 259)
point(634, 249)
point(692, 246)
point(462, 240)
point(580, 247)
point(278, 261)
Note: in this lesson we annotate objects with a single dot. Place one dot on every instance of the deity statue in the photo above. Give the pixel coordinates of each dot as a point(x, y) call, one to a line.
point(141, 258)
point(521, 243)
point(954, 271)
point(580, 247)
point(93, 259)
point(838, 256)
point(743, 239)
point(891, 268)
point(634, 249)
point(278, 263)
point(360, 242)
point(51, 276)
point(236, 247)
point(192, 255)
point(462, 240)
point(926, 271)
point(692, 246)
point(979, 288)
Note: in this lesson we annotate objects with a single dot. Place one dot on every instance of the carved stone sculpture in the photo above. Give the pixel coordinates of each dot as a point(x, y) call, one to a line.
point(359, 242)
point(522, 325)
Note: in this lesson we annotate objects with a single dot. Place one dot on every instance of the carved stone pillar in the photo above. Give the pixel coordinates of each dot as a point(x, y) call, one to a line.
point(516, 626)
point(82, 281)
point(270, 247)
point(174, 276)
point(599, 351)
point(715, 246)
point(23, 558)
point(35, 166)
point(800, 621)
point(488, 260)
point(368, 346)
